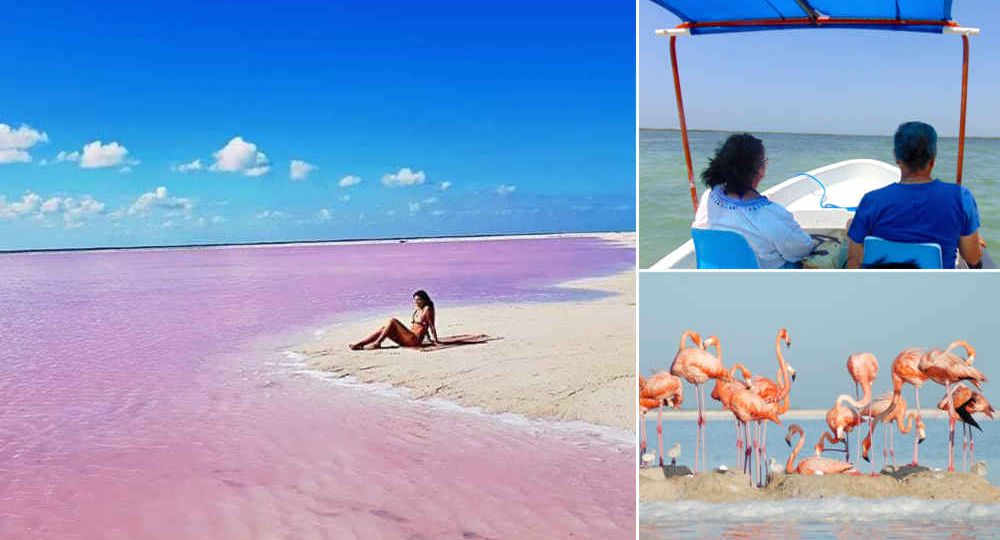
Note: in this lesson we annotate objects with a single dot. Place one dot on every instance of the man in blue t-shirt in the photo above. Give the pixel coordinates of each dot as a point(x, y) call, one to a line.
point(918, 208)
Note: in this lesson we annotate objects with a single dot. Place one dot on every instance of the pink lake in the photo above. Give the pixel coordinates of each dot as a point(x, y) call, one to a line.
point(145, 394)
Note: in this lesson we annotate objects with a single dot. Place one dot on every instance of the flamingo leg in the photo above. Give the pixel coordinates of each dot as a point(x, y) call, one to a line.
point(951, 429)
point(746, 451)
point(704, 447)
point(701, 427)
point(642, 436)
point(763, 453)
point(916, 434)
point(972, 448)
point(739, 441)
point(659, 433)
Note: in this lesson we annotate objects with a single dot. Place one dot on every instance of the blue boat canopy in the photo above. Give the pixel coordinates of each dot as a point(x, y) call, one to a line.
point(721, 16)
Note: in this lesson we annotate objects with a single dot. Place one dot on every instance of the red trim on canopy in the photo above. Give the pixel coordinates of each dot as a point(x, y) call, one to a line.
point(961, 118)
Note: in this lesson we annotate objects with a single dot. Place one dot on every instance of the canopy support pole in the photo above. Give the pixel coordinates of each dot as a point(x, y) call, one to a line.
point(965, 92)
point(683, 123)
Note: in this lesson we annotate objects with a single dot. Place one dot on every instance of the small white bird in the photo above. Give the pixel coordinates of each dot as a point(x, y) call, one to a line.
point(674, 453)
point(979, 468)
point(647, 458)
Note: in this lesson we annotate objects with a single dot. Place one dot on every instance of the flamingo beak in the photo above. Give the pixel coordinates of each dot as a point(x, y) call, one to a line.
point(788, 440)
point(791, 371)
point(923, 436)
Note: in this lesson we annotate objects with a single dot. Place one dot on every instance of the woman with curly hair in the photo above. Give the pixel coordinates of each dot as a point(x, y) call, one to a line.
point(733, 203)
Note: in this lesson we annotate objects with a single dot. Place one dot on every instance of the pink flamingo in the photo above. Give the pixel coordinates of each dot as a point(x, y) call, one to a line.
point(967, 402)
point(841, 420)
point(883, 411)
point(772, 392)
point(723, 392)
point(906, 370)
point(660, 390)
point(863, 368)
point(696, 365)
point(811, 465)
point(749, 406)
point(947, 368)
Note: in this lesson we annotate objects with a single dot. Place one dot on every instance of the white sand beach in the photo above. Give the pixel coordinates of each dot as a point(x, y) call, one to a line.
point(561, 360)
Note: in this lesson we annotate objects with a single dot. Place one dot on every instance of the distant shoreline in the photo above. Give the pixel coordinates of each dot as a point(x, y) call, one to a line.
point(346, 241)
point(801, 414)
point(887, 136)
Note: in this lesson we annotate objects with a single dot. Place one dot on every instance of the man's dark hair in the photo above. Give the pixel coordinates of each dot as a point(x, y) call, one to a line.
point(915, 145)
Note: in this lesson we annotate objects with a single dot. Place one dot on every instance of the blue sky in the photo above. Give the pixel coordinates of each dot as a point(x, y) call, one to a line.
point(829, 316)
point(822, 81)
point(179, 122)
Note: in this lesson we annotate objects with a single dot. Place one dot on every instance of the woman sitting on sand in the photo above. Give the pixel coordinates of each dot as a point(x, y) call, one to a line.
point(421, 327)
point(734, 204)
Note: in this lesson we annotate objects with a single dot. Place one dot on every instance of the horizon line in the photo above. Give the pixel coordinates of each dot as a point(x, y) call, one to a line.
point(984, 137)
point(269, 243)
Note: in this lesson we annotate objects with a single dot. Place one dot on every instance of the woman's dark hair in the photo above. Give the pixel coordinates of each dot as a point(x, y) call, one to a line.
point(915, 145)
point(422, 294)
point(736, 164)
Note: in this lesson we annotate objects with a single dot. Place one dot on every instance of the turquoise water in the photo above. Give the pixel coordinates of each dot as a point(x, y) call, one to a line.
point(665, 205)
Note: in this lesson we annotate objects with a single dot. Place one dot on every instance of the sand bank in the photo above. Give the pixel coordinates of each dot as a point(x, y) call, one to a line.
point(733, 487)
point(562, 360)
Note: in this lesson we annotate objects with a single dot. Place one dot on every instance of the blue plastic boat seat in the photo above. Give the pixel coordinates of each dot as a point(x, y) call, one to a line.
point(716, 248)
point(880, 251)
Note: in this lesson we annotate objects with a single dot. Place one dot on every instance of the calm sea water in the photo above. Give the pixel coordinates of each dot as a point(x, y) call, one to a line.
point(826, 518)
point(144, 394)
point(665, 212)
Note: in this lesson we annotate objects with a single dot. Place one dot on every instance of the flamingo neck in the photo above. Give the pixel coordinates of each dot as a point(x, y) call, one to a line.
point(790, 466)
point(969, 351)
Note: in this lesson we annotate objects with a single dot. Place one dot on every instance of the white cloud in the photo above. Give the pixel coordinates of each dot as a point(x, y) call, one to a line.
point(187, 167)
point(437, 212)
point(271, 214)
point(240, 156)
point(299, 170)
point(15, 143)
point(414, 207)
point(125, 170)
point(28, 204)
point(349, 180)
point(345, 198)
point(218, 219)
point(73, 210)
point(160, 199)
point(405, 177)
point(504, 189)
point(324, 214)
point(97, 155)
point(430, 200)
point(13, 155)
point(444, 185)
point(68, 156)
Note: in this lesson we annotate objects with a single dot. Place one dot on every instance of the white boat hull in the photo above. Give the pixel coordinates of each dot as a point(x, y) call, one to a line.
point(846, 183)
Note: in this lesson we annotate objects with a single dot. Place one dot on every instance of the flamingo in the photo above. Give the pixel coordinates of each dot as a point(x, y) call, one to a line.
point(947, 368)
point(863, 368)
point(841, 420)
point(696, 365)
point(661, 389)
point(811, 465)
point(772, 392)
point(749, 406)
point(723, 392)
point(882, 410)
point(906, 370)
point(967, 402)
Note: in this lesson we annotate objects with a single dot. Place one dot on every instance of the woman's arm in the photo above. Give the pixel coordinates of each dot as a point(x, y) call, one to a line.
point(432, 329)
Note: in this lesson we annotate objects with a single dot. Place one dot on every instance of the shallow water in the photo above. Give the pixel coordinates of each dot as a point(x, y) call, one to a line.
point(665, 212)
point(828, 518)
point(145, 395)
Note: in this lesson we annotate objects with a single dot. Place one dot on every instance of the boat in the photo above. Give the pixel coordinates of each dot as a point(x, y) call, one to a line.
point(822, 200)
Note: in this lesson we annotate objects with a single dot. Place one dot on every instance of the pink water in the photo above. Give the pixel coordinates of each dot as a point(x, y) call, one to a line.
point(143, 395)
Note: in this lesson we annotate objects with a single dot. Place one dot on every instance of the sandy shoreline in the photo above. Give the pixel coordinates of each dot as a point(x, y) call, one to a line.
point(732, 487)
point(571, 361)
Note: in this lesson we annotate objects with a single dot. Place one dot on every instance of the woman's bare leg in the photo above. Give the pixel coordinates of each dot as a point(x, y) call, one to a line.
point(398, 333)
point(370, 339)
